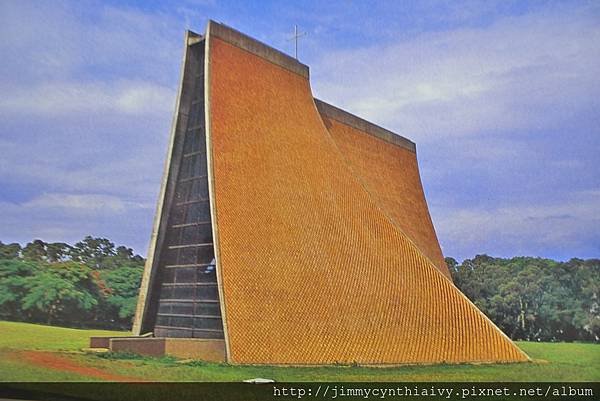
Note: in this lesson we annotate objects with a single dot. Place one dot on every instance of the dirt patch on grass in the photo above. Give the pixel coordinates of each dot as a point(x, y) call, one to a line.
point(59, 362)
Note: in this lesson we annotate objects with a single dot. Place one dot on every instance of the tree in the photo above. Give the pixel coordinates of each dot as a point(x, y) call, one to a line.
point(35, 251)
point(14, 275)
point(93, 252)
point(535, 299)
point(452, 265)
point(60, 291)
point(90, 284)
point(57, 252)
point(10, 251)
point(588, 274)
point(124, 285)
point(123, 256)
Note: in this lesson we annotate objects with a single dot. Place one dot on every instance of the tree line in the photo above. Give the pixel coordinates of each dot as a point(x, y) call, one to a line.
point(94, 283)
point(534, 299)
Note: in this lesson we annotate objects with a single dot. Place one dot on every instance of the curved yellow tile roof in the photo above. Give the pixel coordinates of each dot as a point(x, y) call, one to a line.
point(391, 176)
point(312, 270)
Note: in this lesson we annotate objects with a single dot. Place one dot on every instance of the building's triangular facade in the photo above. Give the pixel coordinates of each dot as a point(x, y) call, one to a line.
point(291, 232)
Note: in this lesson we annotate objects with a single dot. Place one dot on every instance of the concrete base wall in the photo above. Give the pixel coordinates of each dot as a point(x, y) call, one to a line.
point(142, 346)
point(207, 350)
point(99, 342)
point(103, 342)
point(188, 348)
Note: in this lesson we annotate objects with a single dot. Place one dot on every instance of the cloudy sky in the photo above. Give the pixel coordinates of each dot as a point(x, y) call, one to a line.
point(502, 99)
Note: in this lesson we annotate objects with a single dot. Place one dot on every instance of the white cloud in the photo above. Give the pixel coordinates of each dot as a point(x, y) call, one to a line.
point(88, 91)
point(126, 165)
point(69, 217)
point(520, 73)
point(567, 226)
point(87, 98)
point(90, 203)
point(145, 98)
point(61, 59)
point(51, 41)
point(59, 98)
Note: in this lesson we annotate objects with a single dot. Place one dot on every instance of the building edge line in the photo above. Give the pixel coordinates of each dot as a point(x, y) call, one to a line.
point(256, 47)
point(361, 124)
point(152, 259)
point(350, 120)
point(211, 187)
point(437, 240)
point(429, 263)
point(362, 184)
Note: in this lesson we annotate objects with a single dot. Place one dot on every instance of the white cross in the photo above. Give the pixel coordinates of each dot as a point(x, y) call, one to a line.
point(295, 38)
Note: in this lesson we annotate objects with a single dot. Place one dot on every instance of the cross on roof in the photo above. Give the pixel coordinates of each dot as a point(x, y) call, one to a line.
point(295, 39)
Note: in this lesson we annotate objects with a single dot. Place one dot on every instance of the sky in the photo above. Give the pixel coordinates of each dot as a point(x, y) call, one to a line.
point(501, 97)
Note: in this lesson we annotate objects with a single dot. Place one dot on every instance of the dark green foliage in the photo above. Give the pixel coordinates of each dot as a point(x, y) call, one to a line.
point(101, 254)
point(532, 298)
point(95, 284)
point(14, 276)
point(124, 355)
point(124, 285)
point(35, 251)
point(60, 291)
point(57, 252)
point(91, 284)
point(9, 251)
point(93, 252)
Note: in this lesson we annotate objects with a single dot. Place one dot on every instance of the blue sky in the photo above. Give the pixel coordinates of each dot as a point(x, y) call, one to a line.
point(502, 99)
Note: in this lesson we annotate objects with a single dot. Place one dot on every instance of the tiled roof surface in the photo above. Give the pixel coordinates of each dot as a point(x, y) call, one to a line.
point(391, 175)
point(312, 270)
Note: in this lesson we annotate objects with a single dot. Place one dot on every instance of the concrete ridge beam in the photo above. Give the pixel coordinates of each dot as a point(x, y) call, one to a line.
point(361, 124)
point(257, 48)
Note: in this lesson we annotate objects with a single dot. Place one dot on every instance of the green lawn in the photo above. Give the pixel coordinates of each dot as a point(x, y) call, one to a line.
point(551, 362)
point(18, 335)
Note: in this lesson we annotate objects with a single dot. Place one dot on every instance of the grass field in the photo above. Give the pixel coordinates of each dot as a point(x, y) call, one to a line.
point(31, 352)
